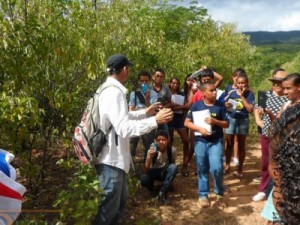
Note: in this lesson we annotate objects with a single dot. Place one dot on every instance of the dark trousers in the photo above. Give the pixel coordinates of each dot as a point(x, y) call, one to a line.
point(166, 175)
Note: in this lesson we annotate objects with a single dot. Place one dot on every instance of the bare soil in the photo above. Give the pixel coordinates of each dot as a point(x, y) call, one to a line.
point(184, 209)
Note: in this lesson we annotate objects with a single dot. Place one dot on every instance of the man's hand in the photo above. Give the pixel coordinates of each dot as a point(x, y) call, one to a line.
point(165, 115)
point(152, 109)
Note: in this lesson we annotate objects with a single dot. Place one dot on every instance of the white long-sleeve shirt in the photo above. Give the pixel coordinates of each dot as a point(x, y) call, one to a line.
point(114, 111)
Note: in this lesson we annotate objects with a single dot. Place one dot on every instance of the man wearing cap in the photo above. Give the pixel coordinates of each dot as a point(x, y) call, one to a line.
point(114, 162)
point(263, 117)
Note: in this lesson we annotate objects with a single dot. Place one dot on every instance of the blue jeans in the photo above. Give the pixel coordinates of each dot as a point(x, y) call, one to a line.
point(166, 175)
point(114, 184)
point(209, 158)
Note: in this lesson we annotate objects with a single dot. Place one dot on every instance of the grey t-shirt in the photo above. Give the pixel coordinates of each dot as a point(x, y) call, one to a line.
point(163, 95)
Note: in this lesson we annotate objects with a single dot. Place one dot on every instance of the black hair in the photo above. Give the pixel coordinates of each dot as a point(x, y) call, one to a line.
point(277, 70)
point(208, 72)
point(144, 73)
point(239, 71)
point(243, 75)
point(285, 152)
point(161, 133)
point(204, 85)
point(295, 77)
point(159, 70)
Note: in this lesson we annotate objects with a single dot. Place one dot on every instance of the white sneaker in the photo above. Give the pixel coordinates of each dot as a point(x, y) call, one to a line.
point(236, 161)
point(257, 180)
point(260, 196)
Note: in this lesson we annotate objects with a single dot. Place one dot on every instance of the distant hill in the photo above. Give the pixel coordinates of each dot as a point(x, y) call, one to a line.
point(265, 37)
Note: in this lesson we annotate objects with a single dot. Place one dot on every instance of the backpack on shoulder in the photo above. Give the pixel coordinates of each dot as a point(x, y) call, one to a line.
point(89, 139)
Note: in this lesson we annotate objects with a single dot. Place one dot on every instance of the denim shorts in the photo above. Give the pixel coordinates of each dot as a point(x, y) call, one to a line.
point(238, 126)
point(177, 122)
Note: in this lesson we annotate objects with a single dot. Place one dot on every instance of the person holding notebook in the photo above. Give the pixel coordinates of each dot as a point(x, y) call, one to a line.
point(208, 144)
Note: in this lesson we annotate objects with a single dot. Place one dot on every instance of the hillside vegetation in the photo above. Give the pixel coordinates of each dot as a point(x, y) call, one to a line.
point(265, 37)
point(273, 50)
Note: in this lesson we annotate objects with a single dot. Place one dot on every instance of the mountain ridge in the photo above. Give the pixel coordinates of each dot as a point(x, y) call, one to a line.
point(273, 37)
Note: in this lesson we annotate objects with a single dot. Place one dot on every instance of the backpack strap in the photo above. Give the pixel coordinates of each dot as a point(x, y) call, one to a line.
point(98, 92)
point(169, 153)
point(140, 96)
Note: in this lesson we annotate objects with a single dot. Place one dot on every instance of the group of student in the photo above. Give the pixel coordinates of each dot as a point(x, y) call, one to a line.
point(156, 110)
point(228, 112)
point(200, 93)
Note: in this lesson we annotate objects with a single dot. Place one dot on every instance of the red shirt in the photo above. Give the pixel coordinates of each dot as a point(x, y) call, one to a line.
point(198, 96)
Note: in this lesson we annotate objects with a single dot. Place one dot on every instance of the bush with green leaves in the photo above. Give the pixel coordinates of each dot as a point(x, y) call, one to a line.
point(78, 203)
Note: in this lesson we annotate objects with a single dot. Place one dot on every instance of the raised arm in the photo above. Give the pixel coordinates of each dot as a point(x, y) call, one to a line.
point(219, 79)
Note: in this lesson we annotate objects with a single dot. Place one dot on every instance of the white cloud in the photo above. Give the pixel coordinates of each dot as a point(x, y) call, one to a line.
point(255, 15)
point(290, 21)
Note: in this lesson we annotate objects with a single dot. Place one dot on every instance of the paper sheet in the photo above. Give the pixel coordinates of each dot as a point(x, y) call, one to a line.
point(178, 99)
point(233, 103)
point(199, 117)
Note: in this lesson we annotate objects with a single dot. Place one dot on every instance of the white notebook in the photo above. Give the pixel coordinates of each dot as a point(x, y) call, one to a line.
point(199, 117)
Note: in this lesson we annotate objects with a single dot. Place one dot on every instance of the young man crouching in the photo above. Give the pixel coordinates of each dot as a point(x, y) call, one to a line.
point(160, 165)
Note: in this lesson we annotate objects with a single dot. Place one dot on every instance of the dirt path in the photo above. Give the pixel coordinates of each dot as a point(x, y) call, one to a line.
point(183, 209)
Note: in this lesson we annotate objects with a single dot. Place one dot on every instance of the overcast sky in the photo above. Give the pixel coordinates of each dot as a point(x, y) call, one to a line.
point(255, 15)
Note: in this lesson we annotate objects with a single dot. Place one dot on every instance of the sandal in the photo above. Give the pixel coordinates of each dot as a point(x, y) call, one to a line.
point(204, 202)
point(220, 202)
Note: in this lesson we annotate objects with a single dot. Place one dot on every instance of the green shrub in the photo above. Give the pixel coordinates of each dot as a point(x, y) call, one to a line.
point(79, 202)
